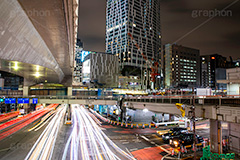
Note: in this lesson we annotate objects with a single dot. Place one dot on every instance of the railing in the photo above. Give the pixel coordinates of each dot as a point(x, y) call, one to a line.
point(11, 93)
point(200, 100)
point(67, 97)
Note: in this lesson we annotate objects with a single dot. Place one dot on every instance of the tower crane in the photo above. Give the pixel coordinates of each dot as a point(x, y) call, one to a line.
point(153, 64)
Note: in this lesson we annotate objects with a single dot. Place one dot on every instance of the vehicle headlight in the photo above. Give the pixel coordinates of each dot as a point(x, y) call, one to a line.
point(175, 143)
point(167, 136)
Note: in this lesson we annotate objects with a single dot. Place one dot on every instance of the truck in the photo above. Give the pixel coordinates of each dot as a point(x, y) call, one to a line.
point(204, 92)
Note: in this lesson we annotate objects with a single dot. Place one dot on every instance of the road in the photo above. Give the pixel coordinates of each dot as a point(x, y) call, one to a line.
point(17, 144)
point(88, 141)
point(44, 146)
point(87, 138)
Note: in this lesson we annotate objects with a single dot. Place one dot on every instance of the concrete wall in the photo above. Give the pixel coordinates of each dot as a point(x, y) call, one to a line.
point(141, 116)
point(234, 137)
point(233, 89)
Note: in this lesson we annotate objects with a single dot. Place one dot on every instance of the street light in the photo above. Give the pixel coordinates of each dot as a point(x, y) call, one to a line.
point(145, 110)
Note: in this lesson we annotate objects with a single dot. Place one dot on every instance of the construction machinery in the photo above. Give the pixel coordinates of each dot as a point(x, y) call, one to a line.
point(153, 64)
point(181, 107)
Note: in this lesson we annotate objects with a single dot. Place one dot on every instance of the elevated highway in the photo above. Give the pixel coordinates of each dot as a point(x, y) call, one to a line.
point(37, 38)
point(221, 108)
point(217, 109)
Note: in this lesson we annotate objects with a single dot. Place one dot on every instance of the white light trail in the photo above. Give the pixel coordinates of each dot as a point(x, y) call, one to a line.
point(88, 141)
point(44, 146)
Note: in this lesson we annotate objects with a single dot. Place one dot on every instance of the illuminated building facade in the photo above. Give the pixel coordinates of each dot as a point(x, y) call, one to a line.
point(213, 68)
point(181, 66)
point(100, 70)
point(140, 18)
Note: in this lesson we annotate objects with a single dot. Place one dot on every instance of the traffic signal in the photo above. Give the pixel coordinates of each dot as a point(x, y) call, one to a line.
point(181, 107)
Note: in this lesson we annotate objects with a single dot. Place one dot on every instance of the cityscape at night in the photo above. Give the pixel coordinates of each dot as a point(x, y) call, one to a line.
point(119, 80)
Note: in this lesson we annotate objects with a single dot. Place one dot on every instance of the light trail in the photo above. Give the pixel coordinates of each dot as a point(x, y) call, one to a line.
point(88, 142)
point(44, 146)
point(10, 127)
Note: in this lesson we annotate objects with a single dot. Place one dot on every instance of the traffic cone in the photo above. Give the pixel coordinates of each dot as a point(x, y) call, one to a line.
point(143, 126)
point(111, 122)
point(150, 125)
point(224, 142)
point(114, 122)
point(117, 123)
point(121, 124)
point(182, 149)
point(172, 152)
point(137, 126)
point(193, 149)
point(126, 125)
point(131, 125)
point(156, 126)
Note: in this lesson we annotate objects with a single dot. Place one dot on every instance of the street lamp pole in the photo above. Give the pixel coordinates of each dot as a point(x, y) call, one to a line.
point(194, 126)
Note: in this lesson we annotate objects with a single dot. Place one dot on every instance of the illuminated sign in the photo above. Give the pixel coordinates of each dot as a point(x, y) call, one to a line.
point(23, 100)
point(10, 100)
point(213, 57)
point(84, 54)
point(86, 70)
point(35, 101)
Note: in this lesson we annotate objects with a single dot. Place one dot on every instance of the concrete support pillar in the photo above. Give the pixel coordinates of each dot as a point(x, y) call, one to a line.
point(216, 136)
point(69, 91)
point(163, 117)
point(171, 117)
point(191, 125)
point(25, 90)
point(185, 122)
point(26, 84)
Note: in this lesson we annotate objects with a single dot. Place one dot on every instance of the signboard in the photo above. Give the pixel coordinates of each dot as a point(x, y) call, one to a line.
point(23, 100)
point(35, 101)
point(10, 100)
point(86, 71)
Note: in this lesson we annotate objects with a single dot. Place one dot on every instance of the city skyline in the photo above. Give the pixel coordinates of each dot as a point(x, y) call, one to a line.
point(197, 28)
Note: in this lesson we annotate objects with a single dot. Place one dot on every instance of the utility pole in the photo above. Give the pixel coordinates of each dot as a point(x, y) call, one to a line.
point(194, 126)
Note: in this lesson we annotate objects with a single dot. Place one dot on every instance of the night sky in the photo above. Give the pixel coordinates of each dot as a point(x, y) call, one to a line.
point(185, 22)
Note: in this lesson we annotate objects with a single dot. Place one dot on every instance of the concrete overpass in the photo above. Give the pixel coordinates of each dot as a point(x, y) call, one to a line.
point(217, 109)
point(37, 39)
point(220, 108)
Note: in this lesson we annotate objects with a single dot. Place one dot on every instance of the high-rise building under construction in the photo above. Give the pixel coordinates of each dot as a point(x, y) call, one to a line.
point(141, 19)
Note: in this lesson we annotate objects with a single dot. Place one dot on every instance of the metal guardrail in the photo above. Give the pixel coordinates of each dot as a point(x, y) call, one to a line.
point(201, 100)
point(66, 97)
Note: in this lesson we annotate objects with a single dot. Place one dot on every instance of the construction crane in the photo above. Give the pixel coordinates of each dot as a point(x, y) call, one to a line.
point(181, 107)
point(153, 65)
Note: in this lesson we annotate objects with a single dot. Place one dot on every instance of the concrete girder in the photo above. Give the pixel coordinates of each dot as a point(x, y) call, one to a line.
point(20, 41)
point(40, 32)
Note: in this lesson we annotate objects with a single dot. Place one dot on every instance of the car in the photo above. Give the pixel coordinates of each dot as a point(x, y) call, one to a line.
point(184, 139)
point(162, 132)
point(174, 132)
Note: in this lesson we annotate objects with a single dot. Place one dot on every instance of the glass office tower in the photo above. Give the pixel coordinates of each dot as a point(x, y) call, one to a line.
point(140, 18)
